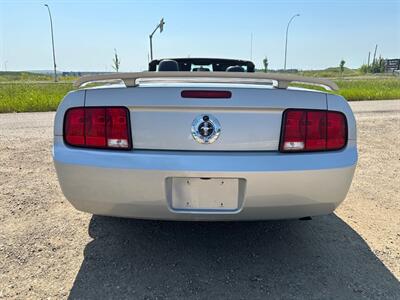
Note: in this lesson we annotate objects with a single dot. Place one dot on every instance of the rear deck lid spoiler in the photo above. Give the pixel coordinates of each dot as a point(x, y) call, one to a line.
point(280, 81)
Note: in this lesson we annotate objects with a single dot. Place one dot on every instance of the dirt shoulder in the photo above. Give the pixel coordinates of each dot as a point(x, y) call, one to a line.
point(50, 250)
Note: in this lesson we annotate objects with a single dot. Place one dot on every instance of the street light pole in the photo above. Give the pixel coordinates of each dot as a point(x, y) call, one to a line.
point(52, 43)
point(151, 46)
point(287, 31)
point(161, 26)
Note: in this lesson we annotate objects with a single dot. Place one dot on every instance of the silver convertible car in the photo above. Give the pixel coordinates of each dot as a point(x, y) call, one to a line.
point(204, 139)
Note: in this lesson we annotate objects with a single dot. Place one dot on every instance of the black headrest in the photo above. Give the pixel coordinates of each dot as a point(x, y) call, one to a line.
point(168, 65)
point(235, 69)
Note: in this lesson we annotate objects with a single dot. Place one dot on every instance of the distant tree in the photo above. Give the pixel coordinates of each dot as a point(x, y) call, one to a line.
point(378, 65)
point(341, 66)
point(265, 63)
point(116, 61)
point(364, 69)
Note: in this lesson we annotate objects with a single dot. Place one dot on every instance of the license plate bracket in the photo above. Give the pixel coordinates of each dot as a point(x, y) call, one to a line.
point(205, 194)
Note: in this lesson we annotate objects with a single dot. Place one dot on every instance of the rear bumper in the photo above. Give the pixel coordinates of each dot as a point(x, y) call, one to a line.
point(137, 184)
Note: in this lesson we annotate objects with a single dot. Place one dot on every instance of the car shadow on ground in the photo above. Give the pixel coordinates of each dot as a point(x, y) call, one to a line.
point(244, 260)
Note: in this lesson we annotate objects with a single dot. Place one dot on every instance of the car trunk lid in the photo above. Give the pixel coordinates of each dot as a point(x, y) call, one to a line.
point(250, 119)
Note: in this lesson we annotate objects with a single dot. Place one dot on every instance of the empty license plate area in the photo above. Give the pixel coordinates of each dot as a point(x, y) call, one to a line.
point(208, 194)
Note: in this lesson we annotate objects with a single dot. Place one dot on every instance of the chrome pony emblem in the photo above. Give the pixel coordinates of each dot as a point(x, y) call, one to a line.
point(205, 129)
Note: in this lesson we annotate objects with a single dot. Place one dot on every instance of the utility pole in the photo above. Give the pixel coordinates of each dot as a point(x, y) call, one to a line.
point(52, 43)
point(369, 56)
point(161, 26)
point(287, 30)
point(376, 48)
point(251, 46)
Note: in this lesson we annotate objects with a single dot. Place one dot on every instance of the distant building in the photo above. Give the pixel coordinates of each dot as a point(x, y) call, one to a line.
point(392, 65)
point(73, 74)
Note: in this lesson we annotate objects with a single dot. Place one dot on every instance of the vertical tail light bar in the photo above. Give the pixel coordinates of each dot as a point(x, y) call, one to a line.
point(313, 130)
point(74, 127)
point(294, 130)
point(98, 127)
point(95, 125)
point(117, 128)
point(336, 130)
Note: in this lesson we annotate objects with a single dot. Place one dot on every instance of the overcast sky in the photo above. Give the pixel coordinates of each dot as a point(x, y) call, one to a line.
point(86, 32)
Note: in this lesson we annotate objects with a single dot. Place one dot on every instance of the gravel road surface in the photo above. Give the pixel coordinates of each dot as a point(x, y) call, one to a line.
point(50, 250)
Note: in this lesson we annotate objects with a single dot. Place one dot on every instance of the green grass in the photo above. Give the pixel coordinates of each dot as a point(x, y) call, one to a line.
point(364, 89)
point(330, 72)
point(23, 95)
point(31, 77)
point(369, 89)
point(26, 91)
point(23, 76)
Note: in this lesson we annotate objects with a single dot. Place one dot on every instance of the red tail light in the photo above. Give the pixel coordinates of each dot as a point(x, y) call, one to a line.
point(97, 127)
point(117, 130)
point(205, 94)
point(313, 130)
point(74, 127)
